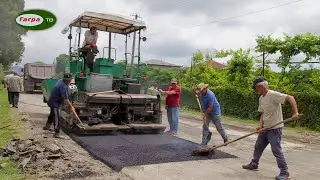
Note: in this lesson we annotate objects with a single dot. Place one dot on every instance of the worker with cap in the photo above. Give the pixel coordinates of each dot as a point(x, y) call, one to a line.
point(5, 83)
point(15, 85)
point(58, 97)
point(173, 105)
point(271, 113)
point(212, 112)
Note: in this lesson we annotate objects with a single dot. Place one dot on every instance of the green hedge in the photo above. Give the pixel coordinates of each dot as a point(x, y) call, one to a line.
point(244, 104)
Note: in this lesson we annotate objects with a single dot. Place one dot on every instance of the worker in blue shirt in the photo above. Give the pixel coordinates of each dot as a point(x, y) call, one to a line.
point(212, 112)
point(58, 97)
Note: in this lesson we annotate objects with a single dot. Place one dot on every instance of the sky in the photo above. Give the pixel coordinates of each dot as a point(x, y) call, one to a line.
point(177, 28)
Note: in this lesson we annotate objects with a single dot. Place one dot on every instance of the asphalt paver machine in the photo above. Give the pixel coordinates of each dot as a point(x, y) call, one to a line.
point(104, 97)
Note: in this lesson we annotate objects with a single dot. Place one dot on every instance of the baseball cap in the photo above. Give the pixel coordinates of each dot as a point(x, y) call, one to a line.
point(67, 76)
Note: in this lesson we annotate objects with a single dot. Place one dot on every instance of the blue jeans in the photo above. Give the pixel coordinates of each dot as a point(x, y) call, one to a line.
point(216, 119)
point(173, 118)
point(273, 137)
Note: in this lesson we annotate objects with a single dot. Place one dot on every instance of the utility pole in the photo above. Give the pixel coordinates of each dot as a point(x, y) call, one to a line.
point(191, 83)
point(263, 61)
point(133, 48)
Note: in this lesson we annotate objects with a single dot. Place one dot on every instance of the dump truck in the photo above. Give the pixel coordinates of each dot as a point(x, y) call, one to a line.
point(105, 98)
point(34, 73)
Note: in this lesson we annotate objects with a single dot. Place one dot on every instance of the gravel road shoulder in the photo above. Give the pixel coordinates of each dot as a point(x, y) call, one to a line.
point(75, 162)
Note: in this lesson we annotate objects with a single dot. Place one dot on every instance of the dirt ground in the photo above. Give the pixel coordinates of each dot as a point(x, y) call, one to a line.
point(76, 163)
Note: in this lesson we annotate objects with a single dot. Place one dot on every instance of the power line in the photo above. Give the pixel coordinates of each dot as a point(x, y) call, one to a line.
point(177, 3)
point(237, 16)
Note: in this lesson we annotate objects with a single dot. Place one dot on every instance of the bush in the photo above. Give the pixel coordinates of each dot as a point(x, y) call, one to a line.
point(308, 104)
point(244, 104)
point(1, 73)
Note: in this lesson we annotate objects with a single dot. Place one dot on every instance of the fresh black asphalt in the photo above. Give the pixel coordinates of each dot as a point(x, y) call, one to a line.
point(119, 151)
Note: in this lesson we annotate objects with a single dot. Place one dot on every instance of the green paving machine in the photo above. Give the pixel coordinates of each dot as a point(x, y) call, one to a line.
point(104, 96)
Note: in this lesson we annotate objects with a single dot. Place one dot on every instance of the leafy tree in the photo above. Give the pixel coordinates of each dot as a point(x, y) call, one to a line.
point(61, 61)
point(240, 67)
point(39, 62)
point(201, 72)
point(1, 72)
point(123, 62)
point(302, 80)
point(198, 58)
point(288, 47)
point(271, 76)
point(11, 48)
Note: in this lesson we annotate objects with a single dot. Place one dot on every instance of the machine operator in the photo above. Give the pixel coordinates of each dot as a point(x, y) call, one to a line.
point(90, 46)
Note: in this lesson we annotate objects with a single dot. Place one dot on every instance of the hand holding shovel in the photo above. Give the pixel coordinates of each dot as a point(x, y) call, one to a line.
point(204, 118)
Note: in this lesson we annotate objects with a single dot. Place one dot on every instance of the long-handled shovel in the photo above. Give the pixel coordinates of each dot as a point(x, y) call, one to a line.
point(204, 121)
point(210, 151)
point(77, 117)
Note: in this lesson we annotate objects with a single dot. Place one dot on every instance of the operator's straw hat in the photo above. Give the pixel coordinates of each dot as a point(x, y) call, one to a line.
point(202, 86)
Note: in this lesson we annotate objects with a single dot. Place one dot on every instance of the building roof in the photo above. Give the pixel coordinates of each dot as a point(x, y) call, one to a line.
point(160, 63)
point(216, 64)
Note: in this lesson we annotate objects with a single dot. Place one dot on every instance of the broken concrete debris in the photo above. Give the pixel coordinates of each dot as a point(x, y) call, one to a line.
point(24, 162)
point(30, 154)
point(53, 148)
point(54, 156)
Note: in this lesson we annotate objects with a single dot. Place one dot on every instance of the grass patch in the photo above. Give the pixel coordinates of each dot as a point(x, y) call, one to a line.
point(11, 172)
point(9, 116)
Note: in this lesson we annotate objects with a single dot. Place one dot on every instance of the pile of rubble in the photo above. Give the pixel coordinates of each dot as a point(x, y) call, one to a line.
point(30, 154)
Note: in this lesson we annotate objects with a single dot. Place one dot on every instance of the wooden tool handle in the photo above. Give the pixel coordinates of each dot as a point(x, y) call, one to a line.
point(199, 104)
point(255, 132)
point(77, 117)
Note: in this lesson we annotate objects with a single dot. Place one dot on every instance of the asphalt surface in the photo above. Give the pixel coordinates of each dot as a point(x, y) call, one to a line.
point(303, 159)
point(119, 151)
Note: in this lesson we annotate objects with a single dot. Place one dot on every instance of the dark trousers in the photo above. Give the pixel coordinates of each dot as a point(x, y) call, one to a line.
point(15, 98)
point(88, 54)
point(273, 137)
point(54, 118)
point(9, 97)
